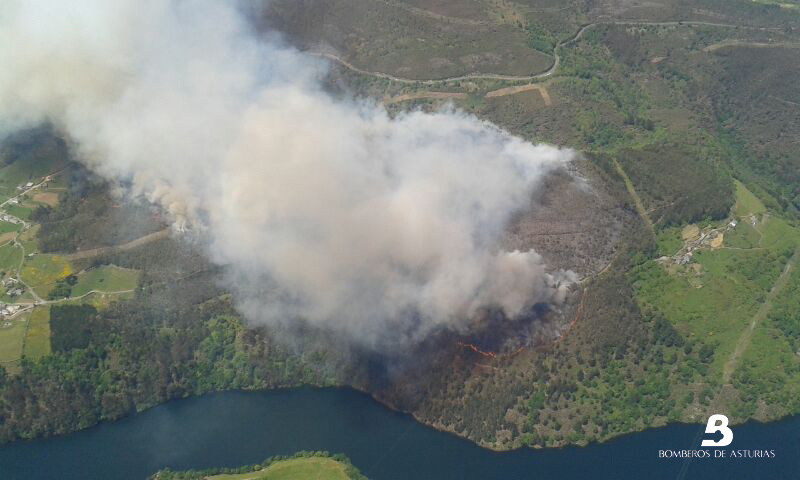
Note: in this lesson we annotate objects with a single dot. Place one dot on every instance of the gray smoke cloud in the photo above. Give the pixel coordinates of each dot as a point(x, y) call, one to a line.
point(326, 210)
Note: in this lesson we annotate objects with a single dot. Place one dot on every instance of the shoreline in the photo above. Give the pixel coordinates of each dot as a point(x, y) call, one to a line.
point(390, 408)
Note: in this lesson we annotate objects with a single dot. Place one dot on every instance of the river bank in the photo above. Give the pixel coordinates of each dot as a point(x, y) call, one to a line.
point(235, 428)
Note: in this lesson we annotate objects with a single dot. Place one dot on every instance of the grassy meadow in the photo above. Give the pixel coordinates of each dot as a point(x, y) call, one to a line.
point(106, 278)
point(41, 271)
point(312, 468)
point(12, 337)
point(37, 338)
point(719, 297)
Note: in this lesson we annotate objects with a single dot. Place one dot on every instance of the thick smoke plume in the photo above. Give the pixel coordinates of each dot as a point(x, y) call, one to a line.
point(324, 210)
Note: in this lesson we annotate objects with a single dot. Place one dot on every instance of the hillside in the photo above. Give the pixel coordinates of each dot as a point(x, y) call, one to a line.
point(679, 217)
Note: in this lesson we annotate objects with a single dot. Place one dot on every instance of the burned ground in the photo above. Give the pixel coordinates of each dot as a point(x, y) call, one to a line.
point(601, 365)
point(573, 222)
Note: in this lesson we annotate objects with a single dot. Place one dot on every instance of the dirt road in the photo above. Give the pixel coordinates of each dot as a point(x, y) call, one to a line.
point(523, 88)
point(423, 95)
point(637, 201)
point(761, 314)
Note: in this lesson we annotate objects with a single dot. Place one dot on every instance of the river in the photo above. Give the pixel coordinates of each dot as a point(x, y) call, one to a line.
point(236, 428)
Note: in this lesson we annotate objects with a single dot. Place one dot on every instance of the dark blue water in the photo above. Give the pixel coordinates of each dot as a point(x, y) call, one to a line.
point(236, 428)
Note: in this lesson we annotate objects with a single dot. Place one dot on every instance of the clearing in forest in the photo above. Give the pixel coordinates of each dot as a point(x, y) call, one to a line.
point(523, 88)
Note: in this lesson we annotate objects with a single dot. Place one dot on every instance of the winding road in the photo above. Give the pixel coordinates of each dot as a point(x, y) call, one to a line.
point(38, 300)
point(547, 73)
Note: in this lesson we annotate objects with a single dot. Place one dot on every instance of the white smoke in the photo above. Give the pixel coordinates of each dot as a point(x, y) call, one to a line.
point(326, 210)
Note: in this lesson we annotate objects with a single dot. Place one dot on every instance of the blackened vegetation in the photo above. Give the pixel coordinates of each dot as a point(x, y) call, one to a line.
point(89, 216)
point(609, 372)
point(173, 270)
point(451, 380)
point(574, 220)
point(180, 335)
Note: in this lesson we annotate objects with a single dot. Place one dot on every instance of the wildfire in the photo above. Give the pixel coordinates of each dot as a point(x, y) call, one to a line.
point(493, 355)
point(489, 354)
point(477, 350)
point(578, 315)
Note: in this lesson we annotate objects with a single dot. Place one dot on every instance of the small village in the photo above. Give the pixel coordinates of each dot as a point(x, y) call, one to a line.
point(13, 289)
point(12, 286)
point(708, 238)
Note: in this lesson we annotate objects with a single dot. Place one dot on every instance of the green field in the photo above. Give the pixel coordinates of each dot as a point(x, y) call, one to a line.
point(769, 371)
point(11, 340)
point(300, 466)
point(19, 211)
point(40, 272)
point(6, 227)
point(107, 278)
point(786, 5)
point(715, 313)
point(10, 257)
point(28, 239)
point(669, 241)
point(313, 468)
point(37, 338)
point(745, 235)
point(746, 202)
point(714, 299)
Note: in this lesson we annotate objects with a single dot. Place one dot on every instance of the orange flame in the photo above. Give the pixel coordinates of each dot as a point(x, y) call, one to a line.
point(477, 350)
point(577, 317)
